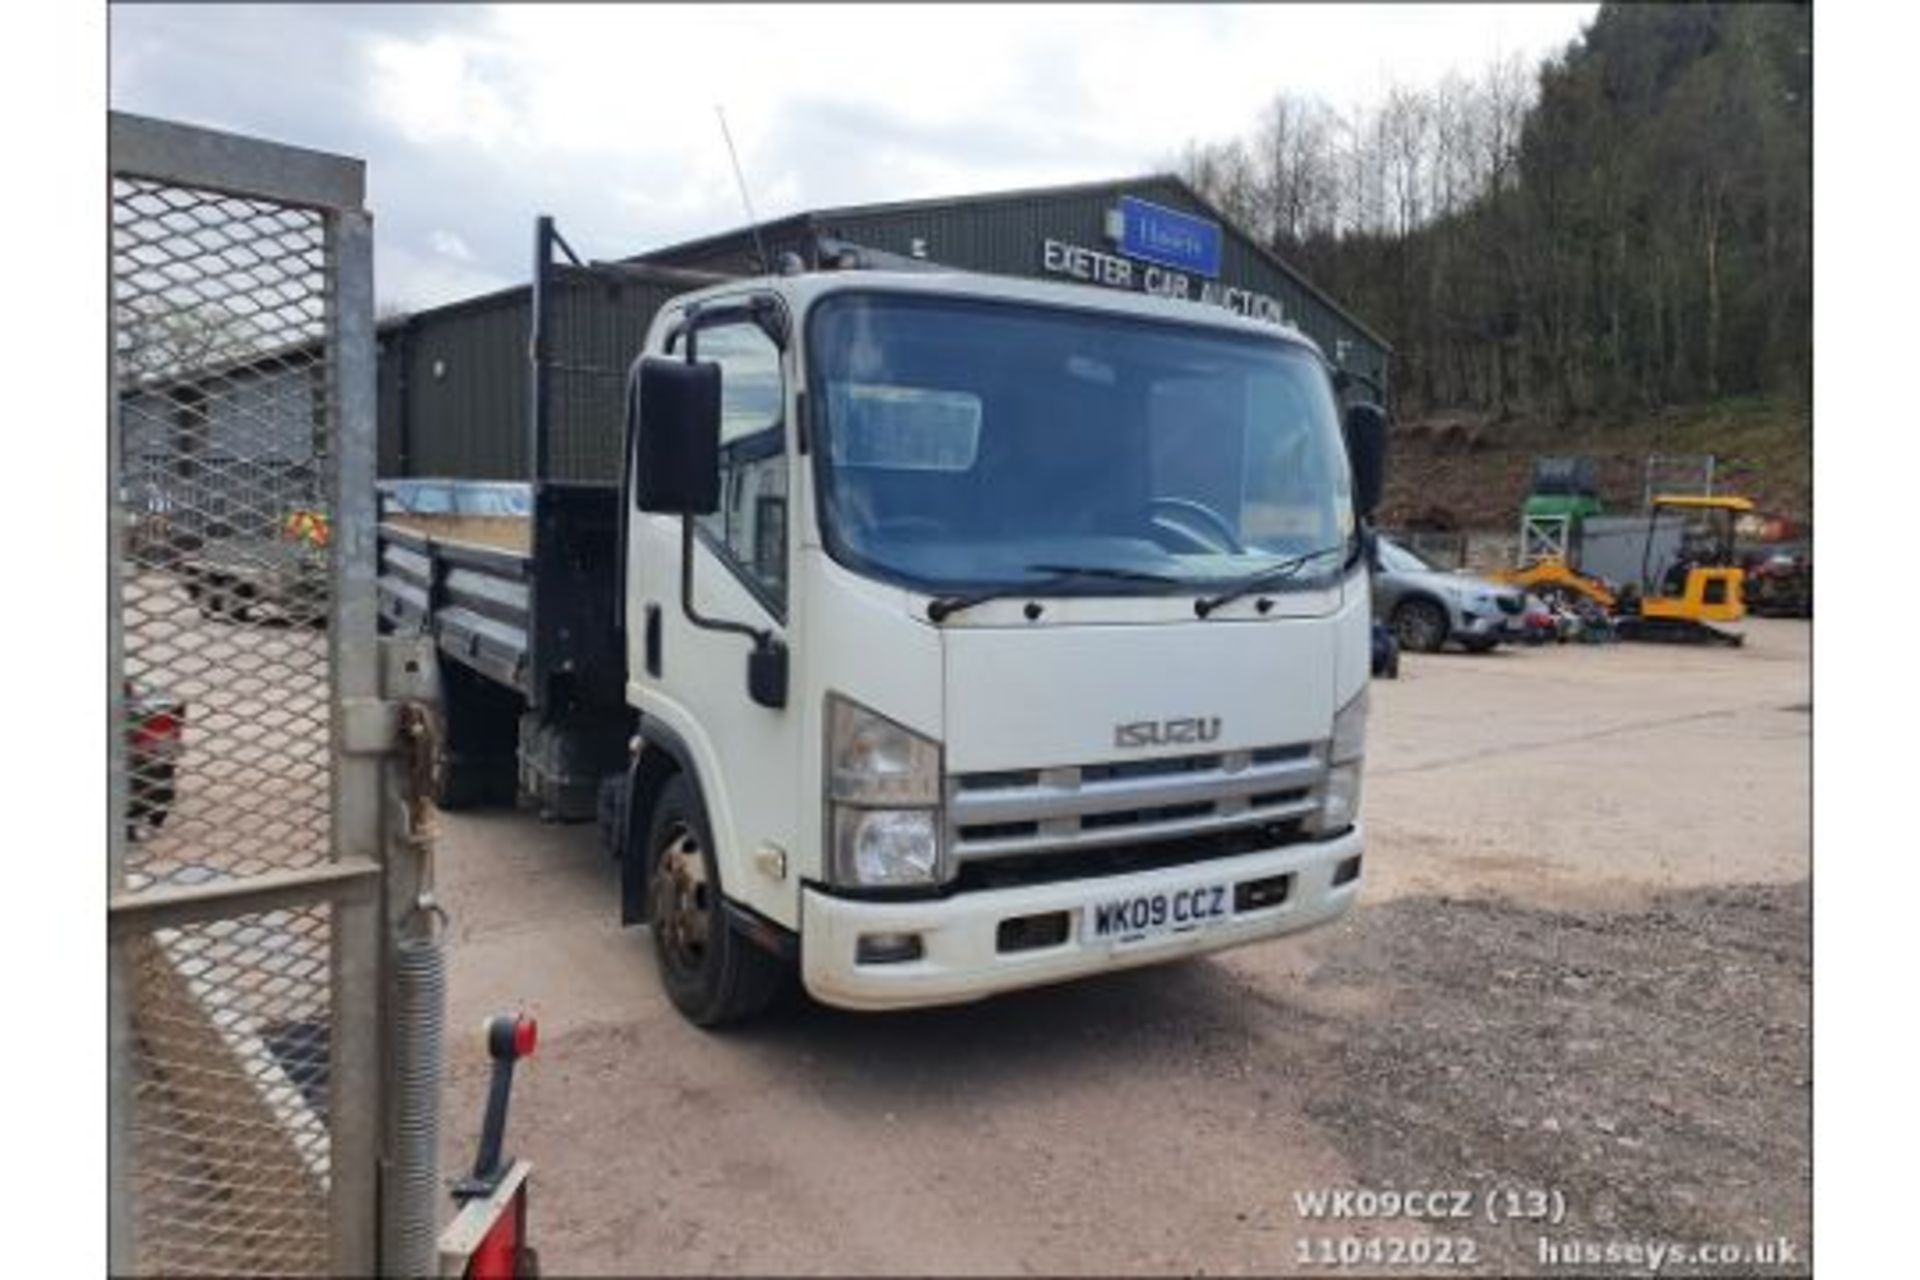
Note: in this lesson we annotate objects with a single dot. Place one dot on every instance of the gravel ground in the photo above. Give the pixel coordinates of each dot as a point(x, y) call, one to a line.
point(1653, 1066)
point(1580, 964)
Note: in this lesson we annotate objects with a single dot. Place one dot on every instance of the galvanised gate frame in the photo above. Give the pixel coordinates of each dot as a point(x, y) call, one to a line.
point(267, 869)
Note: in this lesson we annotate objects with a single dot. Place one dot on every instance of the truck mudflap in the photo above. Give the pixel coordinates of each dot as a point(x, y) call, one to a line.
point(565, 759)
point(862, 954)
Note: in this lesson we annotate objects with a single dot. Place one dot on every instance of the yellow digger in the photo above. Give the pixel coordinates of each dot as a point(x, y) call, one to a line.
point(1679, 571)
point(1687, 587)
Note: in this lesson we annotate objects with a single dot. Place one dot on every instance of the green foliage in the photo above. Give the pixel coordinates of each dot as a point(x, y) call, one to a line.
point(1630, 229)
point(1762, 446)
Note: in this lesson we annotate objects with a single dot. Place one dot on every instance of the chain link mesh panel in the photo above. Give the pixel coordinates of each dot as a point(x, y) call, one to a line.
point(231, 1037)
point(220, 314)
point(223, 381)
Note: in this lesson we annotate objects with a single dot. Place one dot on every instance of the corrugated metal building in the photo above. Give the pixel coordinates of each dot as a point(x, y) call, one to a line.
point(225, 447)
point(454, 380)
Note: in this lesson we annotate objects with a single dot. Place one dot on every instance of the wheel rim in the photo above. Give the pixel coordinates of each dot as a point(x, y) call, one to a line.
point(1419, 629)
point(681, 901)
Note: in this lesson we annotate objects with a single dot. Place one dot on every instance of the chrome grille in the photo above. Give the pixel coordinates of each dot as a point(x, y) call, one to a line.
point(1007, 813)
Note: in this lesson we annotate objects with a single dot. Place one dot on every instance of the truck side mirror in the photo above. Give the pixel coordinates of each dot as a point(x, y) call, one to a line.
point(677, 436)
point(767, 673)
point(1366, 431)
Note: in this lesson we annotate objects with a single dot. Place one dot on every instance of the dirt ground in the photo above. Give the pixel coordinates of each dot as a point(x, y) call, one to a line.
point(1577, 984)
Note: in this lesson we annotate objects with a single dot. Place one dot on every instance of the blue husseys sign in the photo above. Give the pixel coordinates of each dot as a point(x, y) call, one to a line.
point(1163, 252)
point(1155, 233)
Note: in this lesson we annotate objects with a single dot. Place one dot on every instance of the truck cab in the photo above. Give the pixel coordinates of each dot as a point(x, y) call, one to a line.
point(983, 633)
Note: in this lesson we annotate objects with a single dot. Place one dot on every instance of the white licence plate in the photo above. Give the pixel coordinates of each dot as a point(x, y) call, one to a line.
point(1138, 917)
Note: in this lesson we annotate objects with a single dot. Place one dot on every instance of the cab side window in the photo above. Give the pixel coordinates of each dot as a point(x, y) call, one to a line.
point(750, 528)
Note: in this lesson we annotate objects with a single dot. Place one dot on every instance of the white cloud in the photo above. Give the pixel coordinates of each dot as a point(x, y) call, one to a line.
point(474, 119)
point(438, 91)
point(448, 244)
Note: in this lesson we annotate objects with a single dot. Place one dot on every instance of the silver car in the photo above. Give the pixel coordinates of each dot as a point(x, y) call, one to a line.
point(1427, 607)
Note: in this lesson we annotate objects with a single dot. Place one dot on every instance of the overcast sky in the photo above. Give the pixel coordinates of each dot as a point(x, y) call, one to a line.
point(474, 118)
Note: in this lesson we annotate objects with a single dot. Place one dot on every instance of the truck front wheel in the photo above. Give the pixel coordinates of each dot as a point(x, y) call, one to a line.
point(712, 974)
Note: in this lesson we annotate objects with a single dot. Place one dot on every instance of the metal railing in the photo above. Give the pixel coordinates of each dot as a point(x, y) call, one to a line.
point(247, 848)
point(1691, 473)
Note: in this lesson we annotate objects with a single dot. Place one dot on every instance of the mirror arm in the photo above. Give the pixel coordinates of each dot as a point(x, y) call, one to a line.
point(760, 638)
point(767, 664)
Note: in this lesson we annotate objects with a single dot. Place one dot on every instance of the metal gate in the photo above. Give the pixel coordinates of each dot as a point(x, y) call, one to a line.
point(248, 857)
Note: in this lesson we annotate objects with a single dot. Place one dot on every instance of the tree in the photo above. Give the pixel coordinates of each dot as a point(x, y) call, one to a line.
point(1627, 224)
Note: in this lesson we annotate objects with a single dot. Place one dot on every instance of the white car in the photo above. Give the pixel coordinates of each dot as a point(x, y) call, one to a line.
point(1428, 607)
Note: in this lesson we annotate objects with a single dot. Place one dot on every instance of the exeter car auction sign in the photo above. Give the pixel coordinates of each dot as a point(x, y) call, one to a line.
point(1161, 251)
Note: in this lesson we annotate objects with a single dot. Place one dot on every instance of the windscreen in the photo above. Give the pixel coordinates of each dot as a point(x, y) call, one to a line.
point(980, 444)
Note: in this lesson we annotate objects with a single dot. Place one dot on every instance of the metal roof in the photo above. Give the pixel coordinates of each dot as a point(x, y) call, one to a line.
point(800, 290)
point(811, 221)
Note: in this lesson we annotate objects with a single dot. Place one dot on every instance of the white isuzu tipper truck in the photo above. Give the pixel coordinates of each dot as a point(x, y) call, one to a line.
point(949, 634)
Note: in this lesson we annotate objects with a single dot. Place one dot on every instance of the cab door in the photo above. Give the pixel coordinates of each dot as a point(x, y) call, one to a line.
point(692, 679)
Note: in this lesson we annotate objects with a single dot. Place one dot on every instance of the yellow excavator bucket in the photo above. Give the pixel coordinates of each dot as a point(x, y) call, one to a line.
point(1550, 573)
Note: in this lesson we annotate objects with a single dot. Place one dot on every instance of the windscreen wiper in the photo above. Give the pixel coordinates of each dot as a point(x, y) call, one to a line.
point(939, 610)
point(1269, 576)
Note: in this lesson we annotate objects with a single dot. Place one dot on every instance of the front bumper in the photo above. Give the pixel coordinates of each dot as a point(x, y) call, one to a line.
point(1489, 625)
point(962, 960)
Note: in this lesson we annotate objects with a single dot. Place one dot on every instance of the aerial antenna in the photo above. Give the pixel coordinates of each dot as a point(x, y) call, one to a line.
point(753, 223)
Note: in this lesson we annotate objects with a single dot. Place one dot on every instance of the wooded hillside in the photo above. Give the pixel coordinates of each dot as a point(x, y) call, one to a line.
point(1623, 228)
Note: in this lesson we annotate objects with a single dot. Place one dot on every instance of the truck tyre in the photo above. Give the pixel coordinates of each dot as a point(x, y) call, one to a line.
point(1420, 625)
point(711, 973)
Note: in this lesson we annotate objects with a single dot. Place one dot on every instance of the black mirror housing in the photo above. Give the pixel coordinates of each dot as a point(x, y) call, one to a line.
point(1366, 432)
point(767, 673)
point(673, 409)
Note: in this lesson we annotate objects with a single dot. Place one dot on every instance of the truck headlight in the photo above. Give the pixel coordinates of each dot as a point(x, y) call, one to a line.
point(882, 848)
point(883, 792)
point(1346, 751)
point(1339, 799)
